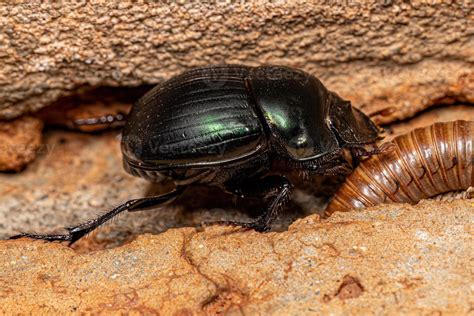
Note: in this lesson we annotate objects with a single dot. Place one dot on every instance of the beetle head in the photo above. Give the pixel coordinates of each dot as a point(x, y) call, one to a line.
point(353, 128)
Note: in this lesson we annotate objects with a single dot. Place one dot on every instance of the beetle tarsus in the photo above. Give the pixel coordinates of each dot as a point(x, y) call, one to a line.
point(362, 152)
point(274, 190)
point(117, 120)
point(74, 233)
point(334, 167)
point(43, 237)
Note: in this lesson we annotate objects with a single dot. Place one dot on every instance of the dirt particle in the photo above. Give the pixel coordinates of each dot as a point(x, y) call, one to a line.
point(349, 288)
point(326, 298)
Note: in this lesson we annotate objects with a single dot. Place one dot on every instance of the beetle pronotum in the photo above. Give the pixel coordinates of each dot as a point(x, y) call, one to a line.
point(423, 163)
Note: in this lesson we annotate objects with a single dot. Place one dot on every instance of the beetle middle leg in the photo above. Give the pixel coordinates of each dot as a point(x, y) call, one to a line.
point(74, 233)
point(275, 192)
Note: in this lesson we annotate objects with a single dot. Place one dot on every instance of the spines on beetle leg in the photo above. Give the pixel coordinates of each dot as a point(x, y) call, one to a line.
point(423, 163)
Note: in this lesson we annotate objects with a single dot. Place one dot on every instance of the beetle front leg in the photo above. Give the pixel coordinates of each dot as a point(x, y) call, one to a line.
point(274, 190)
point(74, 233)
point(334, 167)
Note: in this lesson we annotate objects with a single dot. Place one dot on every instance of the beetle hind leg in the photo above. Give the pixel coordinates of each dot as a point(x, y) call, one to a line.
point(74, 233)
point(275, 192)
point(108, 120)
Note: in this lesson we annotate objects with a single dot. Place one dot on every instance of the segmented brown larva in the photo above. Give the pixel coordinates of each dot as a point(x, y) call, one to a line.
point(423, 163)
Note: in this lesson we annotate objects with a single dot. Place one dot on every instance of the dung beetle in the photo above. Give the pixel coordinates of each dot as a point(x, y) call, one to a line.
point(229, 126)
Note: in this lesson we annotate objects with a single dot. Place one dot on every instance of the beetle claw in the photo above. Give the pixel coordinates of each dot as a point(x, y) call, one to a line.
point(43, 237)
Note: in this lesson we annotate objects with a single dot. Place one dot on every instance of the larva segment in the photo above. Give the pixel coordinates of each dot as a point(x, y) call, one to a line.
point(423, 163)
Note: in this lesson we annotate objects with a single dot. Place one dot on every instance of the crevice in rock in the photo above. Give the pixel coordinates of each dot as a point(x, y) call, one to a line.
point(436, 113)
point(188, 258)
point(451, 103)
point(91, 103)
point(222, 302)
point(225, 296)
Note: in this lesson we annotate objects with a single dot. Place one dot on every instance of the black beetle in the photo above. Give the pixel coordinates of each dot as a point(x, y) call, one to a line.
point(228, 126)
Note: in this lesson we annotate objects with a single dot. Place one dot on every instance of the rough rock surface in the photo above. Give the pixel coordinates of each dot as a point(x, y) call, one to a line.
point(390, 58)
point(20, 141)
point(384, 260)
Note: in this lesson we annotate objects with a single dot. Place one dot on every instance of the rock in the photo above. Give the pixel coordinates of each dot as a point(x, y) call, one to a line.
point(19, 142)
point(383, 260)
point(392, 59)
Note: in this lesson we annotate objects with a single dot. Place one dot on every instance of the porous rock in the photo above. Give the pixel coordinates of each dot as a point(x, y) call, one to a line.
point(391, 58)
point(20, 140)
point(384, 260)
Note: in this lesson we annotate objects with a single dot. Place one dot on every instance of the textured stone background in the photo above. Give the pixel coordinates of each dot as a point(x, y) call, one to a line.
point(391, 59)
point(382, 261)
